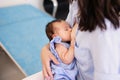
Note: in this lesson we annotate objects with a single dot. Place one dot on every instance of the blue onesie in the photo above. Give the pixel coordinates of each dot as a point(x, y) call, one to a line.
point(62, 71)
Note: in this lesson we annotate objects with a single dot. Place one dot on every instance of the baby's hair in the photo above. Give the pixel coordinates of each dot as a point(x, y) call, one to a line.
point(49, 28)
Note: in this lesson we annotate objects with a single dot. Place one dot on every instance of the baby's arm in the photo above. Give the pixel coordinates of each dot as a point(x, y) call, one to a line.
point(66, 55)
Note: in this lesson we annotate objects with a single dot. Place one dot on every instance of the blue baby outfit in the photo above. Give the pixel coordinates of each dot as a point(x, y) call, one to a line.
point(62, 71)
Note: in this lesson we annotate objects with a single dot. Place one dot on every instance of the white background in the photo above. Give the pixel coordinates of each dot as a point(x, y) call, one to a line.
point(37, 3)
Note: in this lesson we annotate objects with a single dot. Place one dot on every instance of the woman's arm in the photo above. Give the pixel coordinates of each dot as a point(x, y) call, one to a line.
point(46, 57)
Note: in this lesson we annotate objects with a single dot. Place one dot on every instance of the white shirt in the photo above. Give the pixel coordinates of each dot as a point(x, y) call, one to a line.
point(97, 52)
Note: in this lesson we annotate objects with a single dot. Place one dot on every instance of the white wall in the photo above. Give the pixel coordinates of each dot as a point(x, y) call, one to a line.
point(37, 3)
point(5, 3)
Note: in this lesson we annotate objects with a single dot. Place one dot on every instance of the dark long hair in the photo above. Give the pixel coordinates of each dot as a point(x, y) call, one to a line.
point(93, 14)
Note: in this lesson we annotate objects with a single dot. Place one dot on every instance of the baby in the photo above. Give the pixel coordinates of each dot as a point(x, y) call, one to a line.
point(62, 43)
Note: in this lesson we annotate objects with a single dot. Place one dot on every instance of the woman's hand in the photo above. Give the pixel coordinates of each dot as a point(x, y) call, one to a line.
point(46, 57)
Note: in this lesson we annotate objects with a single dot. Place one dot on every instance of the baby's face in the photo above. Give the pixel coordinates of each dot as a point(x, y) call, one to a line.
point(63, 30)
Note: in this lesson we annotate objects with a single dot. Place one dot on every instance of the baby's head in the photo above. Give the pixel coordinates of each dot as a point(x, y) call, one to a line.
point(58, 28)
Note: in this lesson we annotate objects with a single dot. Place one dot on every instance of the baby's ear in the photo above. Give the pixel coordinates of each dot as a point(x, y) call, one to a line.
point(54, 35)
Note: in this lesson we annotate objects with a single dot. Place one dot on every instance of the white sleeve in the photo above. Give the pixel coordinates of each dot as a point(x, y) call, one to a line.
point(73, 9)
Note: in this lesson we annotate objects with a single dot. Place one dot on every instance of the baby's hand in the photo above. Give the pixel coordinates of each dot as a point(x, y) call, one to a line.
point(73, 33)
point(74, 29)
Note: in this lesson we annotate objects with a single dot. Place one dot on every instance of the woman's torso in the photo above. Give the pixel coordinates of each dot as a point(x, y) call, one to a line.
point(97, 52)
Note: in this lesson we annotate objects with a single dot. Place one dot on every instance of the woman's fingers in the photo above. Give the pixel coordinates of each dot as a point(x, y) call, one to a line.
point(52, 57)
point(45, 63)
point(46, 57)
point(45, 73)
point(49, 72)
point(46, 68)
